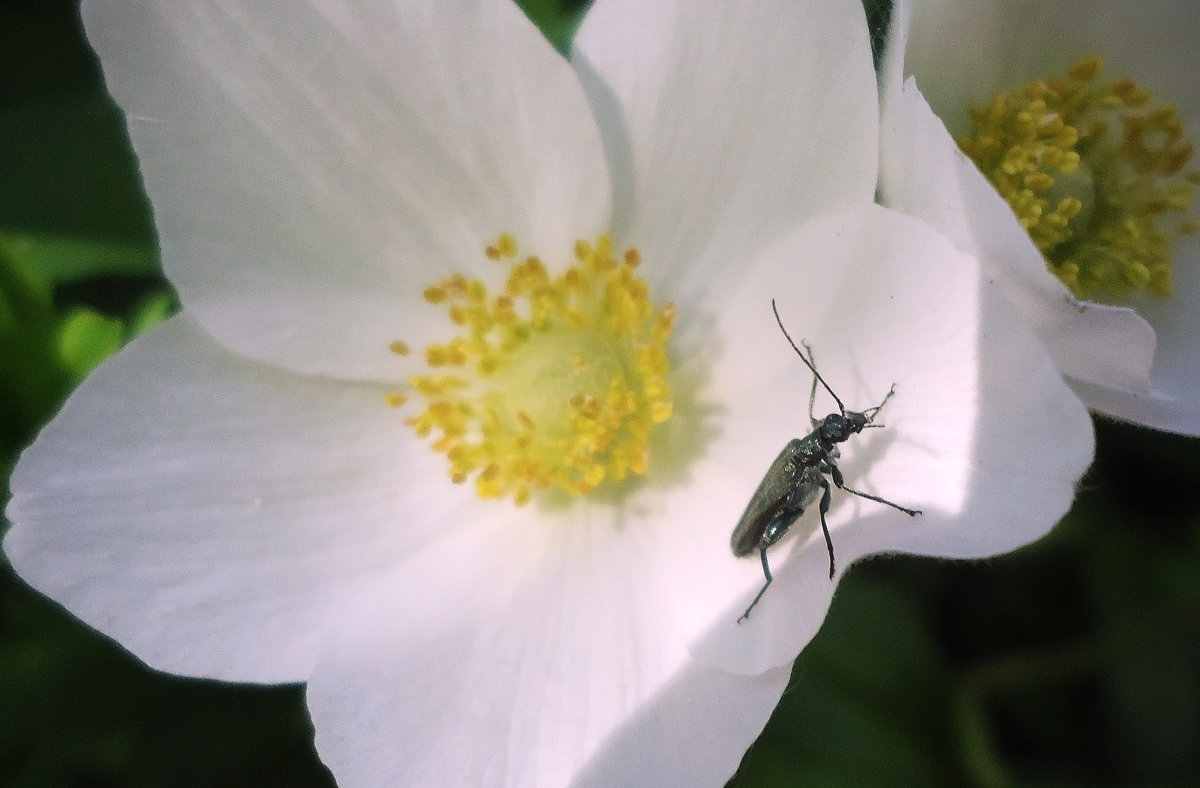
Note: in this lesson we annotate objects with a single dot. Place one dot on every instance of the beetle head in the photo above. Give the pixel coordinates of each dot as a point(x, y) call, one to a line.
point(837, 427)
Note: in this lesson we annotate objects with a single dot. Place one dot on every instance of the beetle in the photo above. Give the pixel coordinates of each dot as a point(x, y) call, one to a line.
point(799, 474)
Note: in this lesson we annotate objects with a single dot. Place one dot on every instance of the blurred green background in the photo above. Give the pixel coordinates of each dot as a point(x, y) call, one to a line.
point(1073, 661)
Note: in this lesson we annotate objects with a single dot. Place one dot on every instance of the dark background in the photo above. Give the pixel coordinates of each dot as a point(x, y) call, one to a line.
point(1075, 660)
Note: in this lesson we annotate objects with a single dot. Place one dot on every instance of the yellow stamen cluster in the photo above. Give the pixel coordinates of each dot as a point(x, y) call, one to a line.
point(1096, 175)
point(556, 382)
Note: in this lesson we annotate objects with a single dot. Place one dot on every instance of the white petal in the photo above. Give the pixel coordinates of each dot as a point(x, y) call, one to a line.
point(523, 651)
point(314, 166)
point(213, 516)
point(728, 124)
point(982, 434)
point(1154, 408)
point(924, 174)
point(1174, 404)
point(695, 732)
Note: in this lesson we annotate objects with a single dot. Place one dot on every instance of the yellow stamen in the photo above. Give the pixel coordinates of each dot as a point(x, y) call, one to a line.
point(1095, 174)
point(556, 382)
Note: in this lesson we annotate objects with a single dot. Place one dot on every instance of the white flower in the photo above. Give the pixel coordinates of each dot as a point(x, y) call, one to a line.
point(1134, 359)
point(232, 497)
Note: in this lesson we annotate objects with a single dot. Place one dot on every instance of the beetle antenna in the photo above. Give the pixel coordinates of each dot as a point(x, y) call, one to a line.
point(807, 363)
point(871, 413)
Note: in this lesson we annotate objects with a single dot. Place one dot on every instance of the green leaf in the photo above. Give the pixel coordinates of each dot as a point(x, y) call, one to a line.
point(32, 379)
point(151, 312)
point(557, 19)
point(61, 259)
point(86, 338)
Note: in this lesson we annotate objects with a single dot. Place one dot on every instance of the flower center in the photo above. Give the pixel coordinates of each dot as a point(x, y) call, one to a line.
point(557, 382)
point(1096, 175)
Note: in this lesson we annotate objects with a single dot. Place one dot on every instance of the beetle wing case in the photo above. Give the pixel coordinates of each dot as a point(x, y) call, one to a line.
point(770, 501)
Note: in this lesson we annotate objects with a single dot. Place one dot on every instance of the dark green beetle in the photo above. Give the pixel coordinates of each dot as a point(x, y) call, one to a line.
point(796, 476)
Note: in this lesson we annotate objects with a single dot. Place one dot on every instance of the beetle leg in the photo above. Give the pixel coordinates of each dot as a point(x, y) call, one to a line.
point(838, 480)
point(826, 496)
point(762, 551)
point(876, 498)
